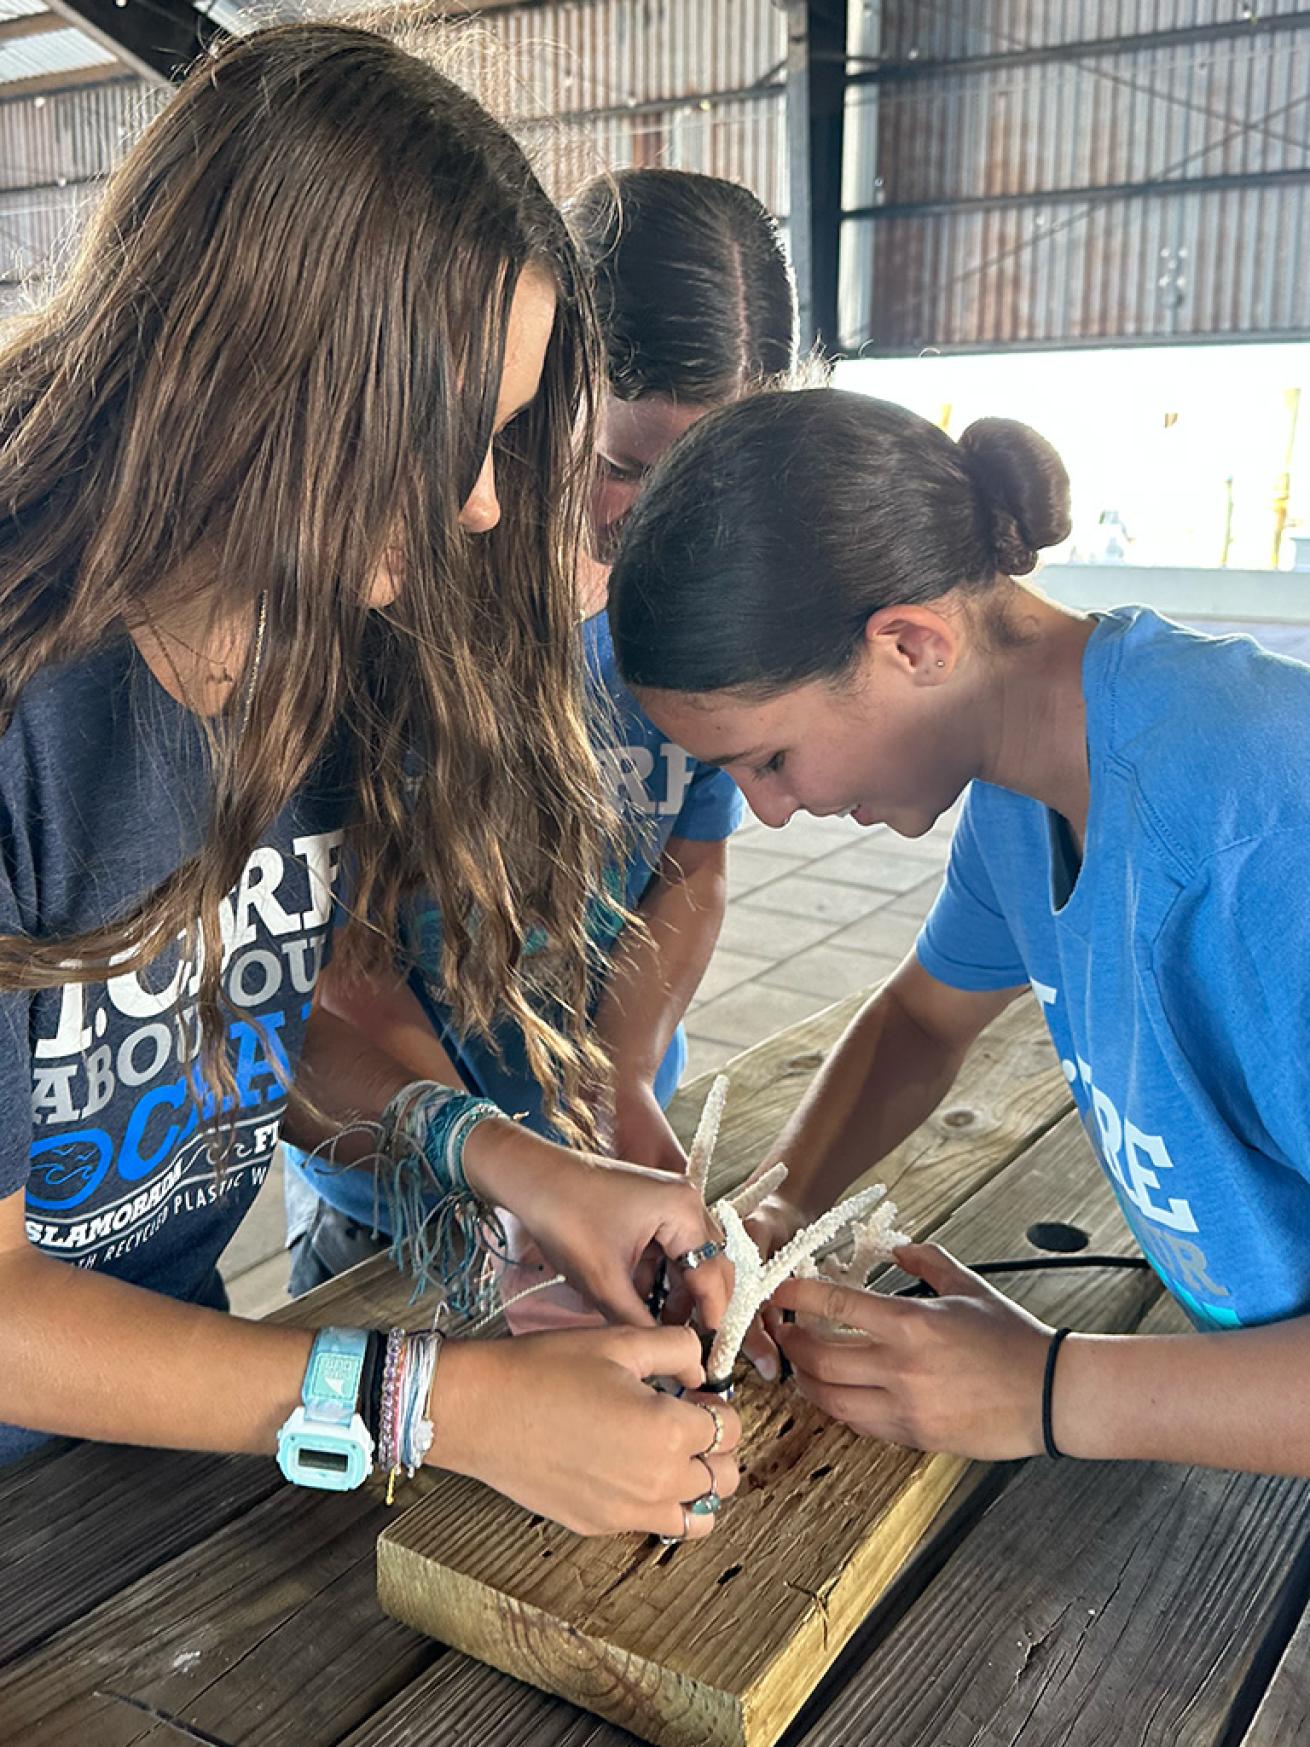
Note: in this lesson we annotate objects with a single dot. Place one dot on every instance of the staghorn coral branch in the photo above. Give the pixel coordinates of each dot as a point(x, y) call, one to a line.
point(707, 1132)
point(869, 1225)
point(757, 1189)
point(874, 1239)
point(755, 1280)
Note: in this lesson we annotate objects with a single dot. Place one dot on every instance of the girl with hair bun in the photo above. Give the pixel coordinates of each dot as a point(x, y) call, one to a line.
point(818, 593)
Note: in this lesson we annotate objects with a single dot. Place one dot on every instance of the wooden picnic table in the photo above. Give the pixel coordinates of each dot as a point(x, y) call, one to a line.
point(157, 1598)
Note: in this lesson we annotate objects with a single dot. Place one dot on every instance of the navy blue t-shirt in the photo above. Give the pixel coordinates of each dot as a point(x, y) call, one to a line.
point(103, 793)
point(1173, 965)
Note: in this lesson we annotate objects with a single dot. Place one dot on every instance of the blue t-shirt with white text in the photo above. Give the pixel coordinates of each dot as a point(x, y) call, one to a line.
point(1173, 965)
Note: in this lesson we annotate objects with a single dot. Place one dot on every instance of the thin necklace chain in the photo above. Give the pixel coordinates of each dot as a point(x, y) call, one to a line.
point(261, 622)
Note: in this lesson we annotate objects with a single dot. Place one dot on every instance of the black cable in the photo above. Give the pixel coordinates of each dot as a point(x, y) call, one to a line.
point(1027, 1265)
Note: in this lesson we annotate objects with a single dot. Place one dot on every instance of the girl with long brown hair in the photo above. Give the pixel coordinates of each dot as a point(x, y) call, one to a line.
point(285, 636)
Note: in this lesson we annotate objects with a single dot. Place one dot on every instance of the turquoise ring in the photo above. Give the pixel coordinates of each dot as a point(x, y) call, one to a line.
point(702, 1253)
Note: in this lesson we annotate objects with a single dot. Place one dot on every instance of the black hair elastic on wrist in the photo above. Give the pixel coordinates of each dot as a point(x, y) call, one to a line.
point(1048, 1385)
point(370, 1382)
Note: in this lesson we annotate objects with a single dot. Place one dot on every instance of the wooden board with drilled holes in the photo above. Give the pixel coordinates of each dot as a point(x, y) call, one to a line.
point(718, 1644)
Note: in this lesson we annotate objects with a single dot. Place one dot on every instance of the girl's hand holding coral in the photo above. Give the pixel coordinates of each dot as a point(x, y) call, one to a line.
point(960, 1372)
point(565, 1425)
point(595, 1219)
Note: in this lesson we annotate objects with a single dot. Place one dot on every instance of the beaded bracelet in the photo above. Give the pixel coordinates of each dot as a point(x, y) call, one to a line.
point(405, 1429)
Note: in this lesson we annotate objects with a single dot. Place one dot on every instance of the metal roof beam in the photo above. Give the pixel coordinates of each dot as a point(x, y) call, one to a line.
point(888, 72)
point(33, 24)
point(1095, 193)
point(157, 38)
point(71, 79)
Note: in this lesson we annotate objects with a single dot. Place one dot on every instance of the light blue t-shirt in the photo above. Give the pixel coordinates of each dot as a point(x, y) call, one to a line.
point(1175, 974)
point(661, 792)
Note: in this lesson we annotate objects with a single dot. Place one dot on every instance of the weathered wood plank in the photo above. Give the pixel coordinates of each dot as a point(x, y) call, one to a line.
point(459, 1702)
point(1094, 1603)
point(266, 1633)
point(722, 1642)
point(1283, 1718)
point(82, 1524)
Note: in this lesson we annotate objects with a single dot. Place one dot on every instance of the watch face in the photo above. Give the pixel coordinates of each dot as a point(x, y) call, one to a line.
point(336, 1377)
point(325, 1461)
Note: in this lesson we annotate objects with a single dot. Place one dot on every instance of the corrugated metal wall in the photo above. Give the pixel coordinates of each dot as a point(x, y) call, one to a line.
point(1043, 199)
point(691, 84)
point(53, 151)
point(1014, 199)
point(694, 84)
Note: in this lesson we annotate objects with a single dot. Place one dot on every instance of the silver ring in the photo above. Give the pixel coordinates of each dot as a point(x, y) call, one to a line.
point(690, 1259)
point(708, 1504)
point(677, 1540)
point(705, 1464)
point(717, 1417)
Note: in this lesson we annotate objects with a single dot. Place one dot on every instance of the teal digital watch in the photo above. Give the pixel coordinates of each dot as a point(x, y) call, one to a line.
point(325, 1442)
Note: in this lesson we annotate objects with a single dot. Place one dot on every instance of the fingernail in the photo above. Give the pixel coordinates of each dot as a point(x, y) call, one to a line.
point(767, 1366)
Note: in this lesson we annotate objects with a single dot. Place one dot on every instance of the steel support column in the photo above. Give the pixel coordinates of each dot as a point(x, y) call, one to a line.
point(816, 93)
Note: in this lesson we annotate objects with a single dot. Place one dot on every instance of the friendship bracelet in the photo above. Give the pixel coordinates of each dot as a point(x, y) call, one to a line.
point(386, 1442)
point(1048, 1386)
point(416, 1428)
point(441, 1229)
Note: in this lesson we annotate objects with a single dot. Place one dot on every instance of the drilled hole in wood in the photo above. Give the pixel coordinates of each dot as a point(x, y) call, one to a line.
point(728, 1575)
point(547, 1552)
point(821, 1470)
point(1054, 1235)
point(960, 1118)
point(786, 1426)
point(665, 1554)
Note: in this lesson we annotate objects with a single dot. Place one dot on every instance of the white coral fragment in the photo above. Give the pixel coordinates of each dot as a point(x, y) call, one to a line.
point(707, 1133)
point(872, 1241)
point(757, 1189)
point(756, 1280)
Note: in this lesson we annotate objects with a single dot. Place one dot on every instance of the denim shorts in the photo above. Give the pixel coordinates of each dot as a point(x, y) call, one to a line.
point(332, 1243)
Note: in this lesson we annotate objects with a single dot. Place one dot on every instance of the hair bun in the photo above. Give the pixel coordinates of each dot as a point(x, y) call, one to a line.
point(1021, 485)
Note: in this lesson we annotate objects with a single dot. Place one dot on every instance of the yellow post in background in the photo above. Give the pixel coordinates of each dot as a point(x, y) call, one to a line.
point(1292, 408)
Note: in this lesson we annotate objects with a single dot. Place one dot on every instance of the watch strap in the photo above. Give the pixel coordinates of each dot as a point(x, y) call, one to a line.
point(331, 1388)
